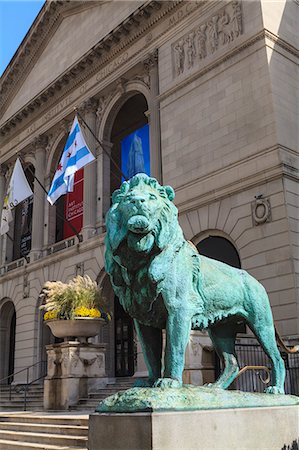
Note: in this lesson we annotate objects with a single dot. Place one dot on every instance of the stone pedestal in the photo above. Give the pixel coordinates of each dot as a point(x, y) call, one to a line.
point(199, 360)
point(74, 369)
point(229, 429)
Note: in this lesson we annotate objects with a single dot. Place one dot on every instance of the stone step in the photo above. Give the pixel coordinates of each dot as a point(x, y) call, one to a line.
point(56, 419)
point(14, 445)
point(71, 430)
point(44, 438)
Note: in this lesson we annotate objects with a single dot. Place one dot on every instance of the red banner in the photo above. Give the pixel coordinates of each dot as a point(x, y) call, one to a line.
point(73, 206)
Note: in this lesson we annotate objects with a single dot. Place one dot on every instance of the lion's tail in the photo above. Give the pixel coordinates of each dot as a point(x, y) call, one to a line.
point(280, 342)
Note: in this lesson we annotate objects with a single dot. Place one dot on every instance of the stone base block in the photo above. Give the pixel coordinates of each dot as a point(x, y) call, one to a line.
point(74, 370)
point(273, 428)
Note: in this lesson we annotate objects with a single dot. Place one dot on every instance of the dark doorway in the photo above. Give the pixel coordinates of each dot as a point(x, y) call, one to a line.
point(12, 344)
point(219, 248)
point(124, 342)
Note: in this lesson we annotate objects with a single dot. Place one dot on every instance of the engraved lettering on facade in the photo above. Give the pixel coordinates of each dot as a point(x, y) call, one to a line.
point(204, 40)
point(189, 7)
point(112, 66)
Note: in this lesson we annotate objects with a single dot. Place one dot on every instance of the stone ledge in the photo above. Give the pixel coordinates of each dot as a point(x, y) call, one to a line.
point(263, 428)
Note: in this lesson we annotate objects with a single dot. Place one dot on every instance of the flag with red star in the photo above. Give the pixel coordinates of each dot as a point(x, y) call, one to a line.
point(75, 155)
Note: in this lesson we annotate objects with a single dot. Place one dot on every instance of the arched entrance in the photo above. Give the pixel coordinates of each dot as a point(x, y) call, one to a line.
point(7, 339)
point(130, 140)
point(127, 131)
point(220, 248)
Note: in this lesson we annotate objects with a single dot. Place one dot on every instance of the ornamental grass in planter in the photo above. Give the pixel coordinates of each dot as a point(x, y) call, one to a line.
point(74, 301)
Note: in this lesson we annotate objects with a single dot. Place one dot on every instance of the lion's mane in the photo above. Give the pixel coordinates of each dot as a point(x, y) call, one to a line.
point(167, 234)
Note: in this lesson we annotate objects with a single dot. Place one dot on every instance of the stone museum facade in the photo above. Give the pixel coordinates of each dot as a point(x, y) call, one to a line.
point(215, 86)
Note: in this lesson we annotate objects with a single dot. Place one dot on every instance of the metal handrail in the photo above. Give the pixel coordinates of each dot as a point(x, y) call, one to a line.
point(24, 386)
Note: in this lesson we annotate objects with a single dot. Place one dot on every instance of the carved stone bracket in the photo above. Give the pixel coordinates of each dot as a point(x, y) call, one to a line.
point(204, 40)
point(151, 60)
point(3, 170)
point(40, 141)
point(102, 105)
point(89, 106)
point(26, 286)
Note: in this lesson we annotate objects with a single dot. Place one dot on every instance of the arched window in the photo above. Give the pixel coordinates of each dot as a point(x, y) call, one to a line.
point(23, 221)
point(217, 247)
point(130, 139)
point(7, 340)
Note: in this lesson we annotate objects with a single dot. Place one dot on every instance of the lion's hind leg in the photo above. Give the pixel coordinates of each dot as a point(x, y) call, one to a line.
point(223, 336)
point(266, 337)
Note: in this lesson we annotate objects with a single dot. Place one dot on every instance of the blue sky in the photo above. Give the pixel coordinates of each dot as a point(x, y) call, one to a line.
point(16, 17)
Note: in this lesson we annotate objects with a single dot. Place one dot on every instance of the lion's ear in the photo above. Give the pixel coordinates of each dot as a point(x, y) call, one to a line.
point(116, 196)
point(170, 192)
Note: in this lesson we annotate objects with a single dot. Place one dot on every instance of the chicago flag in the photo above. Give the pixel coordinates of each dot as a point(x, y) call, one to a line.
point(75, 155)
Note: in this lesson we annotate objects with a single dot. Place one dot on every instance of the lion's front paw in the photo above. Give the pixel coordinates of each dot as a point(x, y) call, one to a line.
point(274, 390)
point(143, 382)
point(167, 383)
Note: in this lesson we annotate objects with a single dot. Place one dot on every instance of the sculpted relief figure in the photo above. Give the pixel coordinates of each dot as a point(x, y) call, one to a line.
point(191, 50)
point(202, 38)
point(224, 28)
point(236, 20)
point(163, 283)
point(213, 33)
point(179, 53)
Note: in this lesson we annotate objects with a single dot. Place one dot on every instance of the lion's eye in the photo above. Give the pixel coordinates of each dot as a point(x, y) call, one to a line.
point(152, 197)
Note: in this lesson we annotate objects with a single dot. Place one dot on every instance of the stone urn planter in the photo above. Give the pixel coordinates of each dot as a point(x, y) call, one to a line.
point(81, 328)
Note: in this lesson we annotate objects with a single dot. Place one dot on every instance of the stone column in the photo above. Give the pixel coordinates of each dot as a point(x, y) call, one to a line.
point(3, 170)
point(39, 198)
point(90, 172)
point(103, 193)
point(151, 65)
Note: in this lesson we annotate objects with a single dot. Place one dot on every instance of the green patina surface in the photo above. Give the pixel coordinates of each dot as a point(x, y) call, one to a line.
point(163, 283)
point(188, 398)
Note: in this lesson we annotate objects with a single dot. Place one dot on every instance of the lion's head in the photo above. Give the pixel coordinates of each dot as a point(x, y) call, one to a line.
point(143, 214)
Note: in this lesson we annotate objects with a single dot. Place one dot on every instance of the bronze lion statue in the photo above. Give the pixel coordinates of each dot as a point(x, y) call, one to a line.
point(163, 283)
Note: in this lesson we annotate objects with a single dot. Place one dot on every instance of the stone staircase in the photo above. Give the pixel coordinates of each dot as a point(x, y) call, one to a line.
point(42, 431)
point(34, 398)
point(38, 430)
point(93, 399)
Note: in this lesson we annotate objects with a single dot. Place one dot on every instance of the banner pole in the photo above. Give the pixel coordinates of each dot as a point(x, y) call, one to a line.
point(79, 237)
point(102, 145)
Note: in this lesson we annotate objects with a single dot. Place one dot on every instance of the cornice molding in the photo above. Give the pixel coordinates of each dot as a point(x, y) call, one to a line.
point(105, 50)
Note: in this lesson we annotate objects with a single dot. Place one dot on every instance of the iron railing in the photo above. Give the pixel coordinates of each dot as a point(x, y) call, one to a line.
point(30, 380)
point(254, 380)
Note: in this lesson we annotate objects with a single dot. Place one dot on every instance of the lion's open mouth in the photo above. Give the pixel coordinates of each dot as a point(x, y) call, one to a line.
point(138, 224)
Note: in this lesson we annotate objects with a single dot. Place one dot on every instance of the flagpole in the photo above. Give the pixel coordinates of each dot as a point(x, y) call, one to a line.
point(59, 215)
point(102, 145)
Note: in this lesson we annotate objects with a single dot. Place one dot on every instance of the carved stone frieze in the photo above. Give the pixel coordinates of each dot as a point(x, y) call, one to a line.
point(217, 31)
